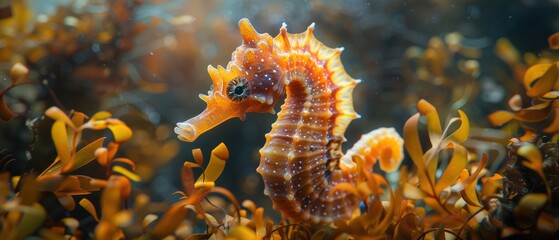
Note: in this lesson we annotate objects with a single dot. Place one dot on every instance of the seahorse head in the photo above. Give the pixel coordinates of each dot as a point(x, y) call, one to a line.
point(253, 81)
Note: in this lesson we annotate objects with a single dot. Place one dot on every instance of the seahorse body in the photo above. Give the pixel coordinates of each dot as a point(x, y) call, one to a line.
point(302, 158)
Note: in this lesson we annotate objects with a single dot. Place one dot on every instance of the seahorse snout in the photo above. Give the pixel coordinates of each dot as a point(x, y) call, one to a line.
point(186, 132)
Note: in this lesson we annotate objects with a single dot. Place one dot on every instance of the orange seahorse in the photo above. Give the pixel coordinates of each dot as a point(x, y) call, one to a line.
point(302, 158)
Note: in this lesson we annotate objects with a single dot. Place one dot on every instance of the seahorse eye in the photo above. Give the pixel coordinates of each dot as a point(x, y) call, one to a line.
point(238, 89)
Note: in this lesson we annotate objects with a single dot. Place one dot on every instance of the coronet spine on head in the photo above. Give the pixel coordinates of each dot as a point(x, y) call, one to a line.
point(250, 36)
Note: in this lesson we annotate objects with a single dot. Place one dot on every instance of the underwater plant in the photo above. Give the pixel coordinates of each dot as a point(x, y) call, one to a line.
point(529, 187)
point(446, 180)
point(25, 214)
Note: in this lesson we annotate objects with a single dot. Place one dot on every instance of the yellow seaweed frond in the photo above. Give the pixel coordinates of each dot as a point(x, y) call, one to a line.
point(445, 183)
point(541, 83)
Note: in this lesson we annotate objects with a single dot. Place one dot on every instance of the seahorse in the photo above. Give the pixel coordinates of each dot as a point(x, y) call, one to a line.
point(302, 158)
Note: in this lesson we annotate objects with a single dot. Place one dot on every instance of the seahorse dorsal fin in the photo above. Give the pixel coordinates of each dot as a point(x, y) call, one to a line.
point(282, 39)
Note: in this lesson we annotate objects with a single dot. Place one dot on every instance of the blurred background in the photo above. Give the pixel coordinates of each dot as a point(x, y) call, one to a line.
point(145, 62)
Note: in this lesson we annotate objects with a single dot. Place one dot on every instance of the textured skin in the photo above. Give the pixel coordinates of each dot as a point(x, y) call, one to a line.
point(302, 158)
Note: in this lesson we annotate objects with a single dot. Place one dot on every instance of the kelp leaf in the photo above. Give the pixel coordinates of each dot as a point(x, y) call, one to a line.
point(470, 198)
point(18, 72)
point(551, 95)
point(435, 58)
point(111, 199)
point(190, 165)
point(544, 84)
point(29, 191)
point(457, 163)
point(58, 115)
point(390, 212)
point(59, 137)
point(124, 185)
point(187, 178)
point(468, 182)
point(433, 122)
point(4, 191)
point(148, 219)
point(515, 102)
point(527, 209)
point(412, 143)
point(434, 204)
point(108, 230)
point(372, 185)
point(500, 117)
point(71, 223)
point(412, 192)
point(205, 185)
point(96, 125)
point(242, 233)
point(125, 161)
point(87, 183)
point(33, 217)
point(169, 221)
point(102, 156)
point(414, 148)
point(219, 157)
point(535, 113)
point(408, 227)
point(432, 158)
point(120, 130)
point(87, 154)
point(100, 116)
point(259, 223)
point(553, 127)
point(210, 220)
point(6, 114)
point(112, 148)
point(529, 135)
point(491, 184)
point(249, 205)
point(198, 156)
point(533, 158)
point(375, 213)
point(469, 193)
point(83, 157)
point(553, 41)
point(70, 185)
point(66, 201)
point(461, 134)
point(533, 73)
point(127, 173)
point(506, 51)
point(78, 119)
